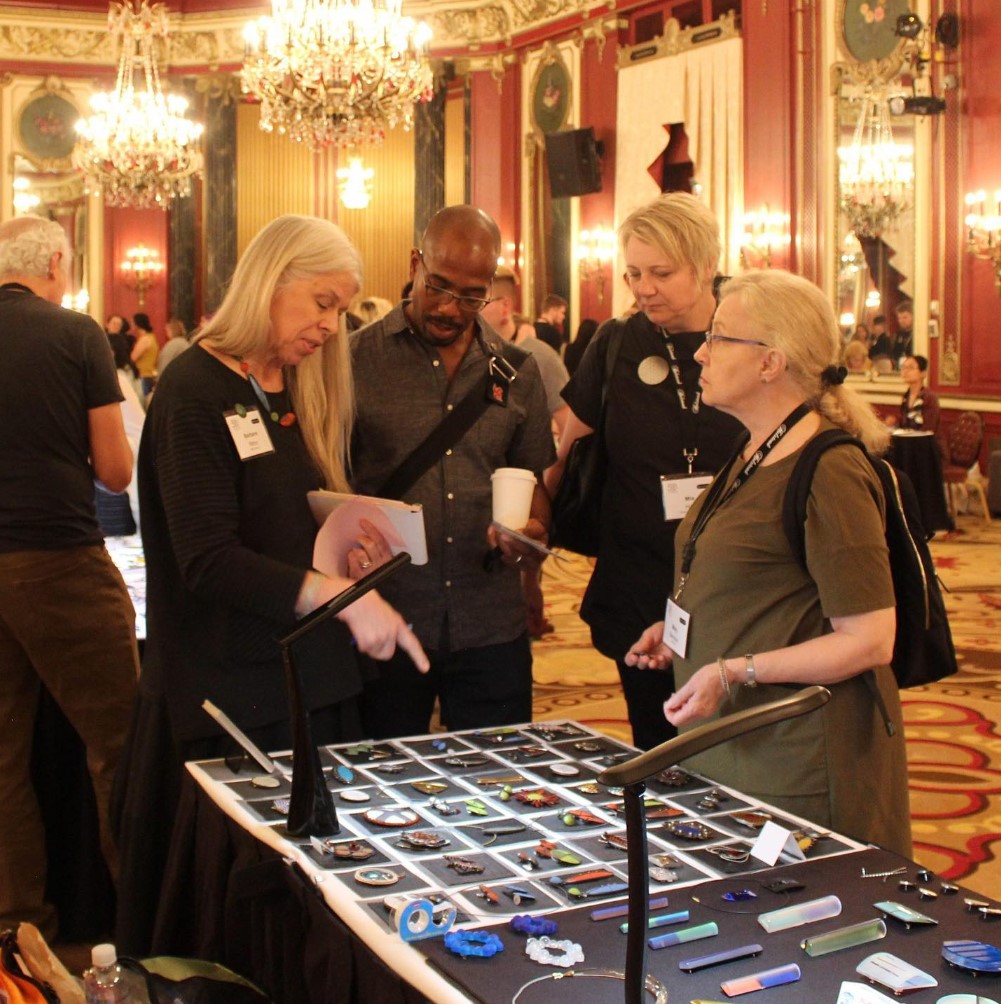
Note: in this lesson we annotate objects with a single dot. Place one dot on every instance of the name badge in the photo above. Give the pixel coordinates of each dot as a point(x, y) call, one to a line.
point(249, 433)
point(676, 622)
point(679, 491)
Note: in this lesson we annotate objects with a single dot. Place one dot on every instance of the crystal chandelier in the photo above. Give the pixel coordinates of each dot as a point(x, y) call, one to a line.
point(137, 145)
point(876, 174)
point(336, 72)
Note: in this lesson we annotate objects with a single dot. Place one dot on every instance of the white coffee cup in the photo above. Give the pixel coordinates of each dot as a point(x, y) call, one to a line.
point(513, 488)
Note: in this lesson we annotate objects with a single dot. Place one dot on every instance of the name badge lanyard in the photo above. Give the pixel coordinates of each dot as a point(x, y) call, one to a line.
point(719, 493)
point(689, 416)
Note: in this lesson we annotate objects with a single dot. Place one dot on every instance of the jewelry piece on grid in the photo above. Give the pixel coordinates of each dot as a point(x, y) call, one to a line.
point(587, 746)
point(478, 943)
point(530, 752)
point(688, 829)
point(564, 769)
point(501, 828)
point(475, 807)
point(353, 795)
point(392, 815)
point(466, 761)
point(443, 808)
point(485, 892)
point(377, 876)
point(537, 797)
point(674, 777)
point(353, 851)
point(575, 816)
point(499, 779)
point(550, 952)
point(391, 768)
point(617, 841)
point(464, 866)
point(753, 820)
point(345, 775)
point(734, 855)
point(280, 805)
point(422, 840)
point(663, 875)
point(590, 788)
point(429, 787)
point(519, 895)
point(527, 861)
point(265, 781)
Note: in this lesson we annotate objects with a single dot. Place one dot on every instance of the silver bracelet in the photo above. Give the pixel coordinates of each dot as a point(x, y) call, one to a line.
point(752, 680)
point(723, 678)
point(651, 984)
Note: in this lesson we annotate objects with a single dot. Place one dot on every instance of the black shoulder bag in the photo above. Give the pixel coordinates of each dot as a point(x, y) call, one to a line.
point(577, 503)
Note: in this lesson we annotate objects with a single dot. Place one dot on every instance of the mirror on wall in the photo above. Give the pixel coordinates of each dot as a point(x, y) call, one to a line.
point(875, 221)
point(57, 195)
point(38, 168)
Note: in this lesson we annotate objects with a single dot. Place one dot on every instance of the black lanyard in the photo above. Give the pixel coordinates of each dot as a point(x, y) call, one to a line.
point(689, 415)
point(720, 493)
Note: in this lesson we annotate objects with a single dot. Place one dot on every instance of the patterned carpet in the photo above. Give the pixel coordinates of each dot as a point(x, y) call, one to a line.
point(953, 740)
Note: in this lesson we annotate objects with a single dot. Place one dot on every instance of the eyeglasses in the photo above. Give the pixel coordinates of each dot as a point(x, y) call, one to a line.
point(474, 304)
point(711, 337)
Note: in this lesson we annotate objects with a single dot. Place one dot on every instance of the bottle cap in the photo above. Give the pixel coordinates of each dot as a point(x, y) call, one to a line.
point(103, 955)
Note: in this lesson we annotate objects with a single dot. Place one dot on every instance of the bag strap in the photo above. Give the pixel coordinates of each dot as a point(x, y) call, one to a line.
point(447, 432)
point(611, 356)
point(794, 523)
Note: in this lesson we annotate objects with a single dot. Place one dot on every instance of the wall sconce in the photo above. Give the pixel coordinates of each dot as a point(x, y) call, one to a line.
point(763, 231)
point(24, 198)
point(141, 268)
point(355, 184)
point(595, 251)
point(983, 231)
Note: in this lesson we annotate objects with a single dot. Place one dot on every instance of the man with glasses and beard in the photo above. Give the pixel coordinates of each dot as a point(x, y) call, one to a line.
point(412, 368)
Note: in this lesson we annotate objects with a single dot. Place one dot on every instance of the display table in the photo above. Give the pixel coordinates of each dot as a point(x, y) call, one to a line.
point(917, 454)
point(294, 917)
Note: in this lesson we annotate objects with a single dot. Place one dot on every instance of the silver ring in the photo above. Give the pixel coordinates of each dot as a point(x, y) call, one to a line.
point(364, 564)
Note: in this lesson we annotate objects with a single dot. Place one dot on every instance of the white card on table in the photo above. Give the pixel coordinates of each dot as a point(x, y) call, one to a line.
point(773, 841)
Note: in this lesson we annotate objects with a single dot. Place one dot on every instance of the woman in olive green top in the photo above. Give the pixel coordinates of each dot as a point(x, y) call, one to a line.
point(746, 620)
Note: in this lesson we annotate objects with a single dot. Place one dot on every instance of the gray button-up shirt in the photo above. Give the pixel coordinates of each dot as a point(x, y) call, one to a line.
point(402, 393)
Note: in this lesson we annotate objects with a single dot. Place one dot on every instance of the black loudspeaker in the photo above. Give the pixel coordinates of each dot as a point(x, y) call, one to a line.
point(572, 158)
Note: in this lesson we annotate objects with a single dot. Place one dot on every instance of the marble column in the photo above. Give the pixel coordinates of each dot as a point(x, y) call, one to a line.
point(219, 195)
point(181, 244)
point(429, 159)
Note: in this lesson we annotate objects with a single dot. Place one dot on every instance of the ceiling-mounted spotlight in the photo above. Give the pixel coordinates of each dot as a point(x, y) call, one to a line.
point(908, 26)
point(922, 104)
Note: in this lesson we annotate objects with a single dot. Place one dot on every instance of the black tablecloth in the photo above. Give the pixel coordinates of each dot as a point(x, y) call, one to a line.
point(920, 458)
point(231, 899)
point(493, 982)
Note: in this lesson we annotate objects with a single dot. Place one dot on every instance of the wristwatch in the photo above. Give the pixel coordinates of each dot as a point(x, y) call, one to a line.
point(751, 680)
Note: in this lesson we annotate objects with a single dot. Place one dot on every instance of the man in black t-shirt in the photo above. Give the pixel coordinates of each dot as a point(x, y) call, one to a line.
point(66, 620)
point(549, 326)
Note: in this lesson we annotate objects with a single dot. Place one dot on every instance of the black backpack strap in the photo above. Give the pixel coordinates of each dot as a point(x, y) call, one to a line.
point(794, 522)
point(449, 430)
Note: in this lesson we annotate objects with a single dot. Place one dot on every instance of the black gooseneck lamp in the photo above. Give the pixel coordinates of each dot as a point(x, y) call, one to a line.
point(632, 775)
point(311, 809)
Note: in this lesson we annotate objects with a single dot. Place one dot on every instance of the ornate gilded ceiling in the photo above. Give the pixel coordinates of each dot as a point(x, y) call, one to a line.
point(35, 35)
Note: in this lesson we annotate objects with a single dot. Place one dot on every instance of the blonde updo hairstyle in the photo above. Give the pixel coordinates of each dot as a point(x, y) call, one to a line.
point(680, 226)
point(793, 315)
point(289, 249)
